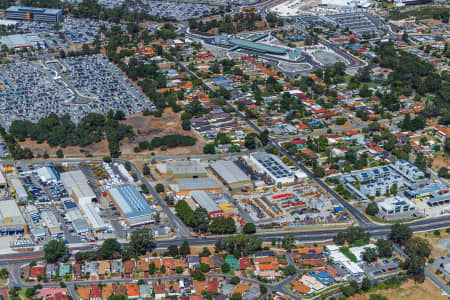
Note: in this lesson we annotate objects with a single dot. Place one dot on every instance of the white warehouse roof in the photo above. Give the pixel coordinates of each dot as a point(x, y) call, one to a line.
point(229, 172)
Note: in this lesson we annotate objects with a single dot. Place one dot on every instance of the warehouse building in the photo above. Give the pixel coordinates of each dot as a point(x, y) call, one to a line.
point(11, 220)
point(396, 205)
point(22, 41)
point(18, 190)
point(272, 167)
point(186, 186)
point(231, 174)
point(33, 14)
point(76, 183)
point(202, 199)
point(131, 205)
point(186, 169)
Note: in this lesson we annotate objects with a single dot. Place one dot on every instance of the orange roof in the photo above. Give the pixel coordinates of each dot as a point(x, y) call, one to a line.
point(371, 116)
point(162, 90)
point(269, 267)
point(357, 297)
point(132, 290)
point(83, 291)
point(300, 287)
point(205, 260)
point(199, 286)
point(265, 260)
point(169, 263)
point(240, 288)
point(157, 262)
point(107, 291)
point(142, 265)
point(314, 77)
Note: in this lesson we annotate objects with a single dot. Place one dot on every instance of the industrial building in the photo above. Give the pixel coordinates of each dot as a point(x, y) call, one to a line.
point(33, 14)
point(22, 41)
point(395, 205)
point(78, 187)
point(202, 199)
point(18, 190)
point(11, 220)
point(272, 167)
point(131, 205)
point(186, 186)
point(231, 174)
point(183, 169)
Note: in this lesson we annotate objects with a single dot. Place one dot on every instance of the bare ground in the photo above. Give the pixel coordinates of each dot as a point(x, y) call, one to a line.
point(413, 291)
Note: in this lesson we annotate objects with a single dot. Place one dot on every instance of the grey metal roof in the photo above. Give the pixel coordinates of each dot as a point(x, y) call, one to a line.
point(197, 184)
point(185, 167)
point(80, 225)
point(205, 201)
point(229, 172)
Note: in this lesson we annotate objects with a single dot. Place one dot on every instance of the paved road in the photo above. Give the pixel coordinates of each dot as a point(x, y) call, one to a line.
point(433, 277)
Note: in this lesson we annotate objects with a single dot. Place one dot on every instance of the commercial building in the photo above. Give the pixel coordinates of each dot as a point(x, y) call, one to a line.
point(33, 14)
point(257, 47)
point(185, 169)
point(272, 167)
point(231, 174)
point(358, 251)
point(186, 186)
point(22, 41)
point(434, 195)
point(52, 224)
point(131, 205)
point(47, 174)
point(18, 190)
point(395, 205)
point(11, 220)
point(351, 269)
point(202, 199)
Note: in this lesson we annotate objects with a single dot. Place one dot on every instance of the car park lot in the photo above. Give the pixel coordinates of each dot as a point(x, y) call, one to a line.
point(72, 32)
point(88, 84)
point(381, 268)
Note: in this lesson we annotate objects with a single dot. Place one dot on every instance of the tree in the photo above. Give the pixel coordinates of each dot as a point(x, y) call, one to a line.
point(385, 248)
point(288, 242)
point(204, 267)
point(110, 246)
point(184, 248)
point(186, 125)
point(235, 280)
point(4, 274)
point(198, 275)
point(417, 246)
point(415, 266)
point(372, 209)
point(249, 228)
point(173, 250)
point(223, 225)
point(400, 234)
point(262, 289)
point(152, 268)
point(107, 159)
point(146, 170)
point(366, 284)
point(236, 296)
point(59, 153)
point(54, 251)
point(205, 252)
point(225, 268)
point(264, 137)
point(250, 142)
point(29, 292)
point(289, 270)
point(443, 172)
point(369, 255)
point(179, 270)
point(141, 241)
point(209, 148)
point(159, 188)
point(199, 220)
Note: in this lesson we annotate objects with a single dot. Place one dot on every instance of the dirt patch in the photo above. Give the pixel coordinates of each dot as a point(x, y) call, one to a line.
point(413, 291)
point(440, 161)
point(148, 127)
point(437, 250)
point(97, 149)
